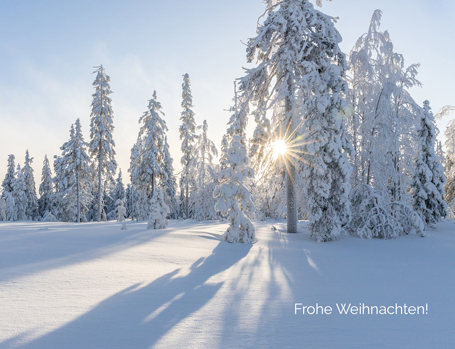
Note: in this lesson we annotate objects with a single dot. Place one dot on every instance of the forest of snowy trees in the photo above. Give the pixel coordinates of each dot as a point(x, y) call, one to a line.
point(338, 139)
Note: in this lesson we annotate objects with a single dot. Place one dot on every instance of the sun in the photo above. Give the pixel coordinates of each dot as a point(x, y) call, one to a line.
point(279, 148)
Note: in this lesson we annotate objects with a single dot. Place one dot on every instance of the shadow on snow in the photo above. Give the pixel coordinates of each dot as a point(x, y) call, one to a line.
point(145, 313)
point(28, 248)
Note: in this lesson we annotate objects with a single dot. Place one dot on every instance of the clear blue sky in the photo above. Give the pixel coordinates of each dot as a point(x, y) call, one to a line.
point(48, 50)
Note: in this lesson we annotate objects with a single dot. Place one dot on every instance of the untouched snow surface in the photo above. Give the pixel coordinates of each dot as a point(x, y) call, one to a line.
point(94, 285)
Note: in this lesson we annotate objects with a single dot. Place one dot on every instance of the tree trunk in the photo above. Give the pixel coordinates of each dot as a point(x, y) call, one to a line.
point(290, 198)
point(290, 176)
point(187, 201)
point(78, 198)
point(99, 184)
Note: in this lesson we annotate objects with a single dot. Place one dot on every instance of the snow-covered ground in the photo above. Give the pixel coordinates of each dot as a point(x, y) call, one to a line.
point(95, 286)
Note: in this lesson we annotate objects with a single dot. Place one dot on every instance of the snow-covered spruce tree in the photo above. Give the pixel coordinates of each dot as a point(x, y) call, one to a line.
point(118, 193)
point(7, 184)
point(449, 159)
point(170, 183)
point(83, 174)
point(134, 162)
point(46, 189)
point(77, 172)
point(159, 211)
point(128, 200)
point(449, 154)
point(108, 204)
point(428, 182)
point(188, 138)
point(60, 186)
point(11, 214)
point(20, 195)
point(224, 152)
point(206, 176)
point(121, 212)
point(232, 196)
point(30, 192)
point(384, 132)
point(102, 144)
point(2, 209)
point(149, 164)
point(181, 203)
point(299, 57)
point(385, 115)
point(66, 200)
point(49, 217)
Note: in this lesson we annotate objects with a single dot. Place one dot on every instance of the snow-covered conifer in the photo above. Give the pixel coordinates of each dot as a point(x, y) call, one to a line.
point(108, 208)
point(149, 162)
point(429, 179)
point(46, 189)
point(188, 138)
point(134, 162)
point(449, 159)
point(128, 200)
point(102, 144)
point(158, 211)
point(49, 217)
point(73, 178)
point(10, 210)
point(20, 195)
point(120, 210)
point(206, 176)
point(299, 58)
point(224, 152)
point(65, 198)
point(169, 184)
point(77, 154)
point(7, 184)
point(383, 130)
point(181, 202)
point(30, 192)
point(63, 208)
point(2, 209)
point(233, 198)
point(118, 193)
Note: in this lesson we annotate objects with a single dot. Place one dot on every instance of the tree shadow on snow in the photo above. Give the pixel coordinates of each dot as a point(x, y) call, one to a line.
point(281, 268)
point(139, 316)
point(35, 247)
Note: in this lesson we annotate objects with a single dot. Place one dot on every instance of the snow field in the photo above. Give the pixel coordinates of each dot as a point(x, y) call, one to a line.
point(93, 285)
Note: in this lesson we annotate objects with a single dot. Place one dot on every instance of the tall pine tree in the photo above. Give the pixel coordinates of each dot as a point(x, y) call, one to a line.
point(188, 138)
point(232, 195)
point(299, 59)
point(170, 184)
point(118, 193)
point(46, 189)
point(20, 195)
point(429, 179)
point(149, 162)
point(102, 144)
point(206, 176)
point(30, 192)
